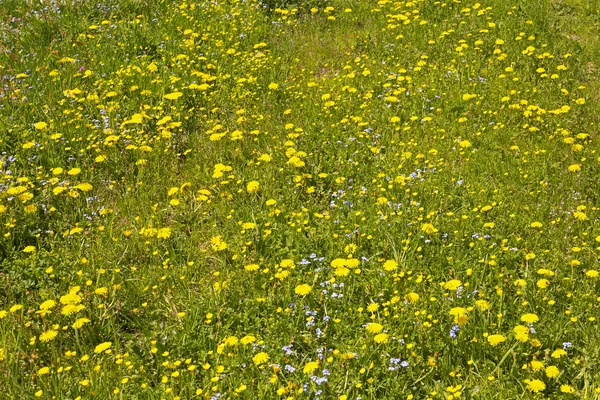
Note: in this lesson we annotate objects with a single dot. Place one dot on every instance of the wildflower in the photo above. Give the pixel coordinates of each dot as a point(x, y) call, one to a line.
point(535, 385)
point(495, 340)
point(537, 365)
point(260, 358)
point(457, 311)
point(454, 331)
point(567, 389)
point(101, 291)
point(173, 96)
point(552, 371)
point(428, 229)
point(452, 285)
point(230, 341)
point(248, 339)
point(558, 353)
point(310, 367)
point(84, 187)
point(163, 233)
point(381, 338)
point(79, 323)
point(342, 271)
point(521, 333)
point(374, 327)
point(47, 305)
point(218, 244)
point(529, 318)
point(15, 308)
point(102, 347)
point(543, 283)
point(303, 290)
point(390, 265)
point(483, 305)
point(48, 335)
point(251, 267)
point(412, 297)
point(592, 273)
point(520, 283)
point(253, 187)
point(574, 168)
point(72, 298)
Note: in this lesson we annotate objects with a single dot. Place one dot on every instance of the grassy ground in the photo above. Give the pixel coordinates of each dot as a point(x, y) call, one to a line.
point(343, 199)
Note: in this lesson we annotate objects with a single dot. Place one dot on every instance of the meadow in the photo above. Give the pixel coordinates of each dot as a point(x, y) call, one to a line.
point(318, 199)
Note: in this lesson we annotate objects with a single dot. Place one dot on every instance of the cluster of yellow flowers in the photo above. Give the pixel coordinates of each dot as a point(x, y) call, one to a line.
point(317, 199)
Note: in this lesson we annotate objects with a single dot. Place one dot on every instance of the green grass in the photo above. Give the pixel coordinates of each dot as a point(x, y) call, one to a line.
point(335, 200)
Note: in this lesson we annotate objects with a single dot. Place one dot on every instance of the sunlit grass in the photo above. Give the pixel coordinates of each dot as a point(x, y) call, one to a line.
point(333, 200)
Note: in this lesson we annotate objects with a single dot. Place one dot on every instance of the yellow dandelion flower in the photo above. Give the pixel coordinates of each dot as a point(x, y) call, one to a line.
point(79, 323)
point(374, 327)
point(48, 335)
point(303, 290)
point(29, 249)
point(536, 365)
point(412, 297)
point(535, 385)
point(428, 229)
point(558, 353)
point(495, 340)
point(253, 187)
point(574, 168)
point(47, 305)
point(543, 283)
point(390, 265)
point(102, 347)
point(567, 389)
point(381, 338)
point(529, 318)
point(163, 233)
point(260, 358)
point(552, 371)
point(248, 339)
point(310, 367)
point(173, 96)
point(251, 267)
point(483, 305)
point(452, 285)
point(457, 311)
